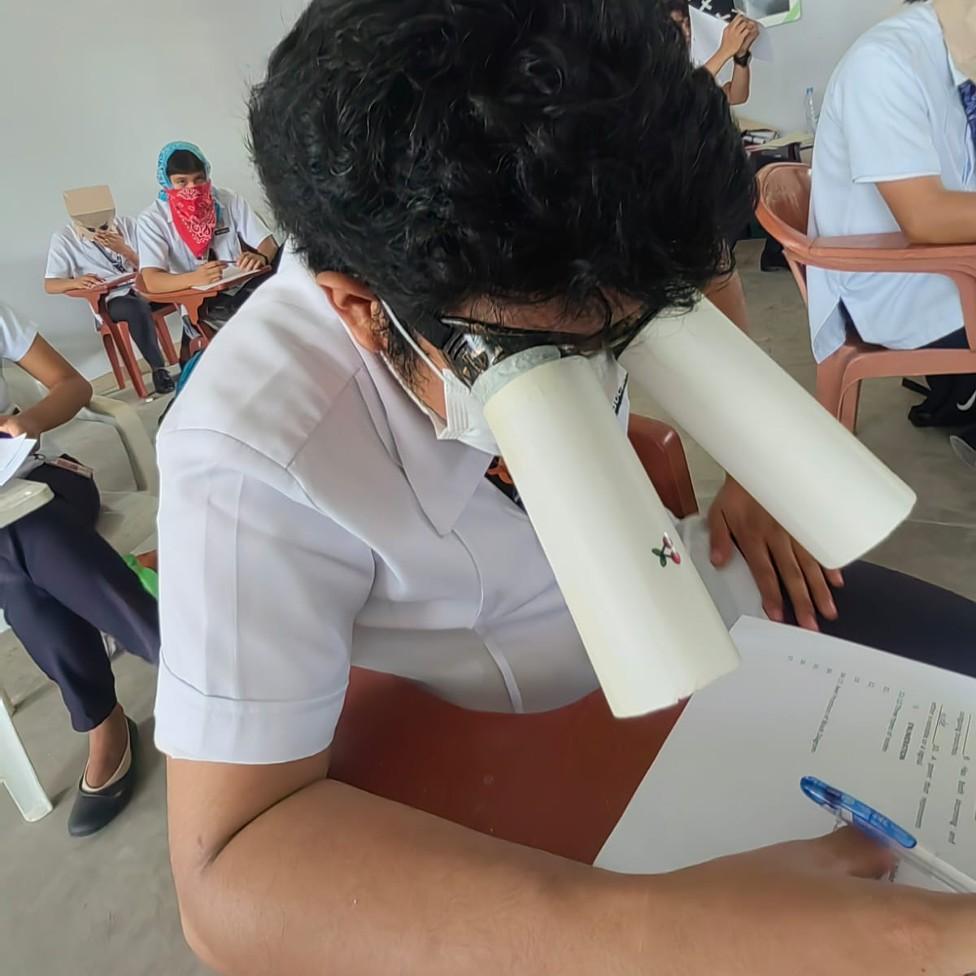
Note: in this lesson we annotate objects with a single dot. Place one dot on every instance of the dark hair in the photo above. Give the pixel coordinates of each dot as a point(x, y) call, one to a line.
point(524, 150)
point(184, 163)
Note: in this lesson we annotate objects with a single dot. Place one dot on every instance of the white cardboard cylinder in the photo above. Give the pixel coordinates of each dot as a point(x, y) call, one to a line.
point(648, 624)
point(811, 474)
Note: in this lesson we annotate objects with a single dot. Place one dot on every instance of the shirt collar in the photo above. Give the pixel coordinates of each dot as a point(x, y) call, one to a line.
point(443, 475)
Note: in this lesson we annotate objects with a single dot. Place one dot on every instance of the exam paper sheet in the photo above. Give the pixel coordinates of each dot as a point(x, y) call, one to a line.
point(896, 734)
point(706, 37)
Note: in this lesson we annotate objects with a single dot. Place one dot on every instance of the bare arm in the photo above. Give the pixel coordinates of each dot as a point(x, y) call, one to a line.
point(738, 89)
point(68, 390)
point(58, 286)
point(738, 37)
point(928, 213)
point(729, 297)
point(160, 282)
point(279, 870)
point(269, 248)
point(718, 61)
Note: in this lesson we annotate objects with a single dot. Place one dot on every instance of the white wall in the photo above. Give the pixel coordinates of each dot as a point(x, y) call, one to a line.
point(806, 54)
point(91, 91)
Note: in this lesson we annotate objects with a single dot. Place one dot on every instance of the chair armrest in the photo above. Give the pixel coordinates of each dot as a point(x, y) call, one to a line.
point(87, 293)
point(178, 297)
point(19, 497)
point(93, 296)
point(893, 252)
point(135, 440)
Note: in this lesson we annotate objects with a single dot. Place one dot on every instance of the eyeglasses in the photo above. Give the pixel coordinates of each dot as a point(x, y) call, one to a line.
point(472, 347)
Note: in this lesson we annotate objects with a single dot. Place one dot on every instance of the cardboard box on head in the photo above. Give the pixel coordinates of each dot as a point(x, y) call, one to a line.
point(91, 209)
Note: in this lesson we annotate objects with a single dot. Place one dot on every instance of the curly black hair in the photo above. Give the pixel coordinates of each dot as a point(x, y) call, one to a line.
point(520, 150)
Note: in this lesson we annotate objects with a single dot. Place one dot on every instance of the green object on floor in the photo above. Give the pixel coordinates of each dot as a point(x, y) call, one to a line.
point(148, 577)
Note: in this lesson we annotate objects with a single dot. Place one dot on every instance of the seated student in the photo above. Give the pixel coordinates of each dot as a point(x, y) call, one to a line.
point(194, 230)
point(737, 40)
point(895, 151)
point(83, 257)
point(458, 159)
point(62, 585)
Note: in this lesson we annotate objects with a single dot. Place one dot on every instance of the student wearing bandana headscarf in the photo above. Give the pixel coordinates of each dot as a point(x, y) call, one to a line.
point(194, 230)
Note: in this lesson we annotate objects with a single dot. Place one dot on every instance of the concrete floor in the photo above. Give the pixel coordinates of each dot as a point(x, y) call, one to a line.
point(105, 905)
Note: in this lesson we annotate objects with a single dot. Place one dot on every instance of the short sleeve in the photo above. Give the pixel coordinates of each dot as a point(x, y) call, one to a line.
point(886, 120)
point(259, 595)
point(250, 226)
point(153, 247)
point(59, 261)
point(17, 334)
point(129, 228)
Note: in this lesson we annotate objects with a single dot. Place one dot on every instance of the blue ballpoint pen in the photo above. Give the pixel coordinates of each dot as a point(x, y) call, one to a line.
point(904, 844)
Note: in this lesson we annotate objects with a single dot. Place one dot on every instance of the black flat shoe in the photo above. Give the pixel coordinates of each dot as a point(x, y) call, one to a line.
point(94, 810)
point(163, 383)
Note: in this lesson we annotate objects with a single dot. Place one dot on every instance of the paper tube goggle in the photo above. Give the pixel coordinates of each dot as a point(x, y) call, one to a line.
point(811, 474)
point(652, 632)
point(91, 208)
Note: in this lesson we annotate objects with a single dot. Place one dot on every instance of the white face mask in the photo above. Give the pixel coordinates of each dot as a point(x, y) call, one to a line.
point(465, 417)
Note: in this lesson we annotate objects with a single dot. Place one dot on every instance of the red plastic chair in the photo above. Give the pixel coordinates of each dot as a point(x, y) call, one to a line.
point(117, 340)
point(783, 210)
point(557, 781)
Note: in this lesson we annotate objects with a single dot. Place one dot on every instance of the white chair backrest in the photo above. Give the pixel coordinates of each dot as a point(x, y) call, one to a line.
point(25, 391)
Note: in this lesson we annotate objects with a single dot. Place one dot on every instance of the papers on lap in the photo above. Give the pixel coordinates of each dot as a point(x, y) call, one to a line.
point(14, 451)
point(898, 735)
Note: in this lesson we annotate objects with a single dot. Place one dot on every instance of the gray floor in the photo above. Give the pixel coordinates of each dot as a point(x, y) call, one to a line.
point(106, 905)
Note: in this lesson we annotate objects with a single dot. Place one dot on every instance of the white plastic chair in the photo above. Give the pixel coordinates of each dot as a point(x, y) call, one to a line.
point(127, 521)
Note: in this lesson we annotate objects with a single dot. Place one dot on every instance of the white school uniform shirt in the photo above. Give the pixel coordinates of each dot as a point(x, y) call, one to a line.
point(892, 112)
point(316, 522)
point(71, 256)
point(160, 246)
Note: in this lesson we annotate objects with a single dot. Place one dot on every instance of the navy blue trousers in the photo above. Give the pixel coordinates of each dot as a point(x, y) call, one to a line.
point(900, 614)
point(138, 313)
point(62, 586)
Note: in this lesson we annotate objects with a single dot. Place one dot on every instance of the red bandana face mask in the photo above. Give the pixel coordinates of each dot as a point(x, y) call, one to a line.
point(194, 215)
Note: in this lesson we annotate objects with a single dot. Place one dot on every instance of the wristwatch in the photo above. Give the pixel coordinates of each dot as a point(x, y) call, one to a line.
point(743, 60)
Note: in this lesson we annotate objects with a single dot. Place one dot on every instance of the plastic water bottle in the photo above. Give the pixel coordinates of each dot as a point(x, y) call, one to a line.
point(813, 117)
